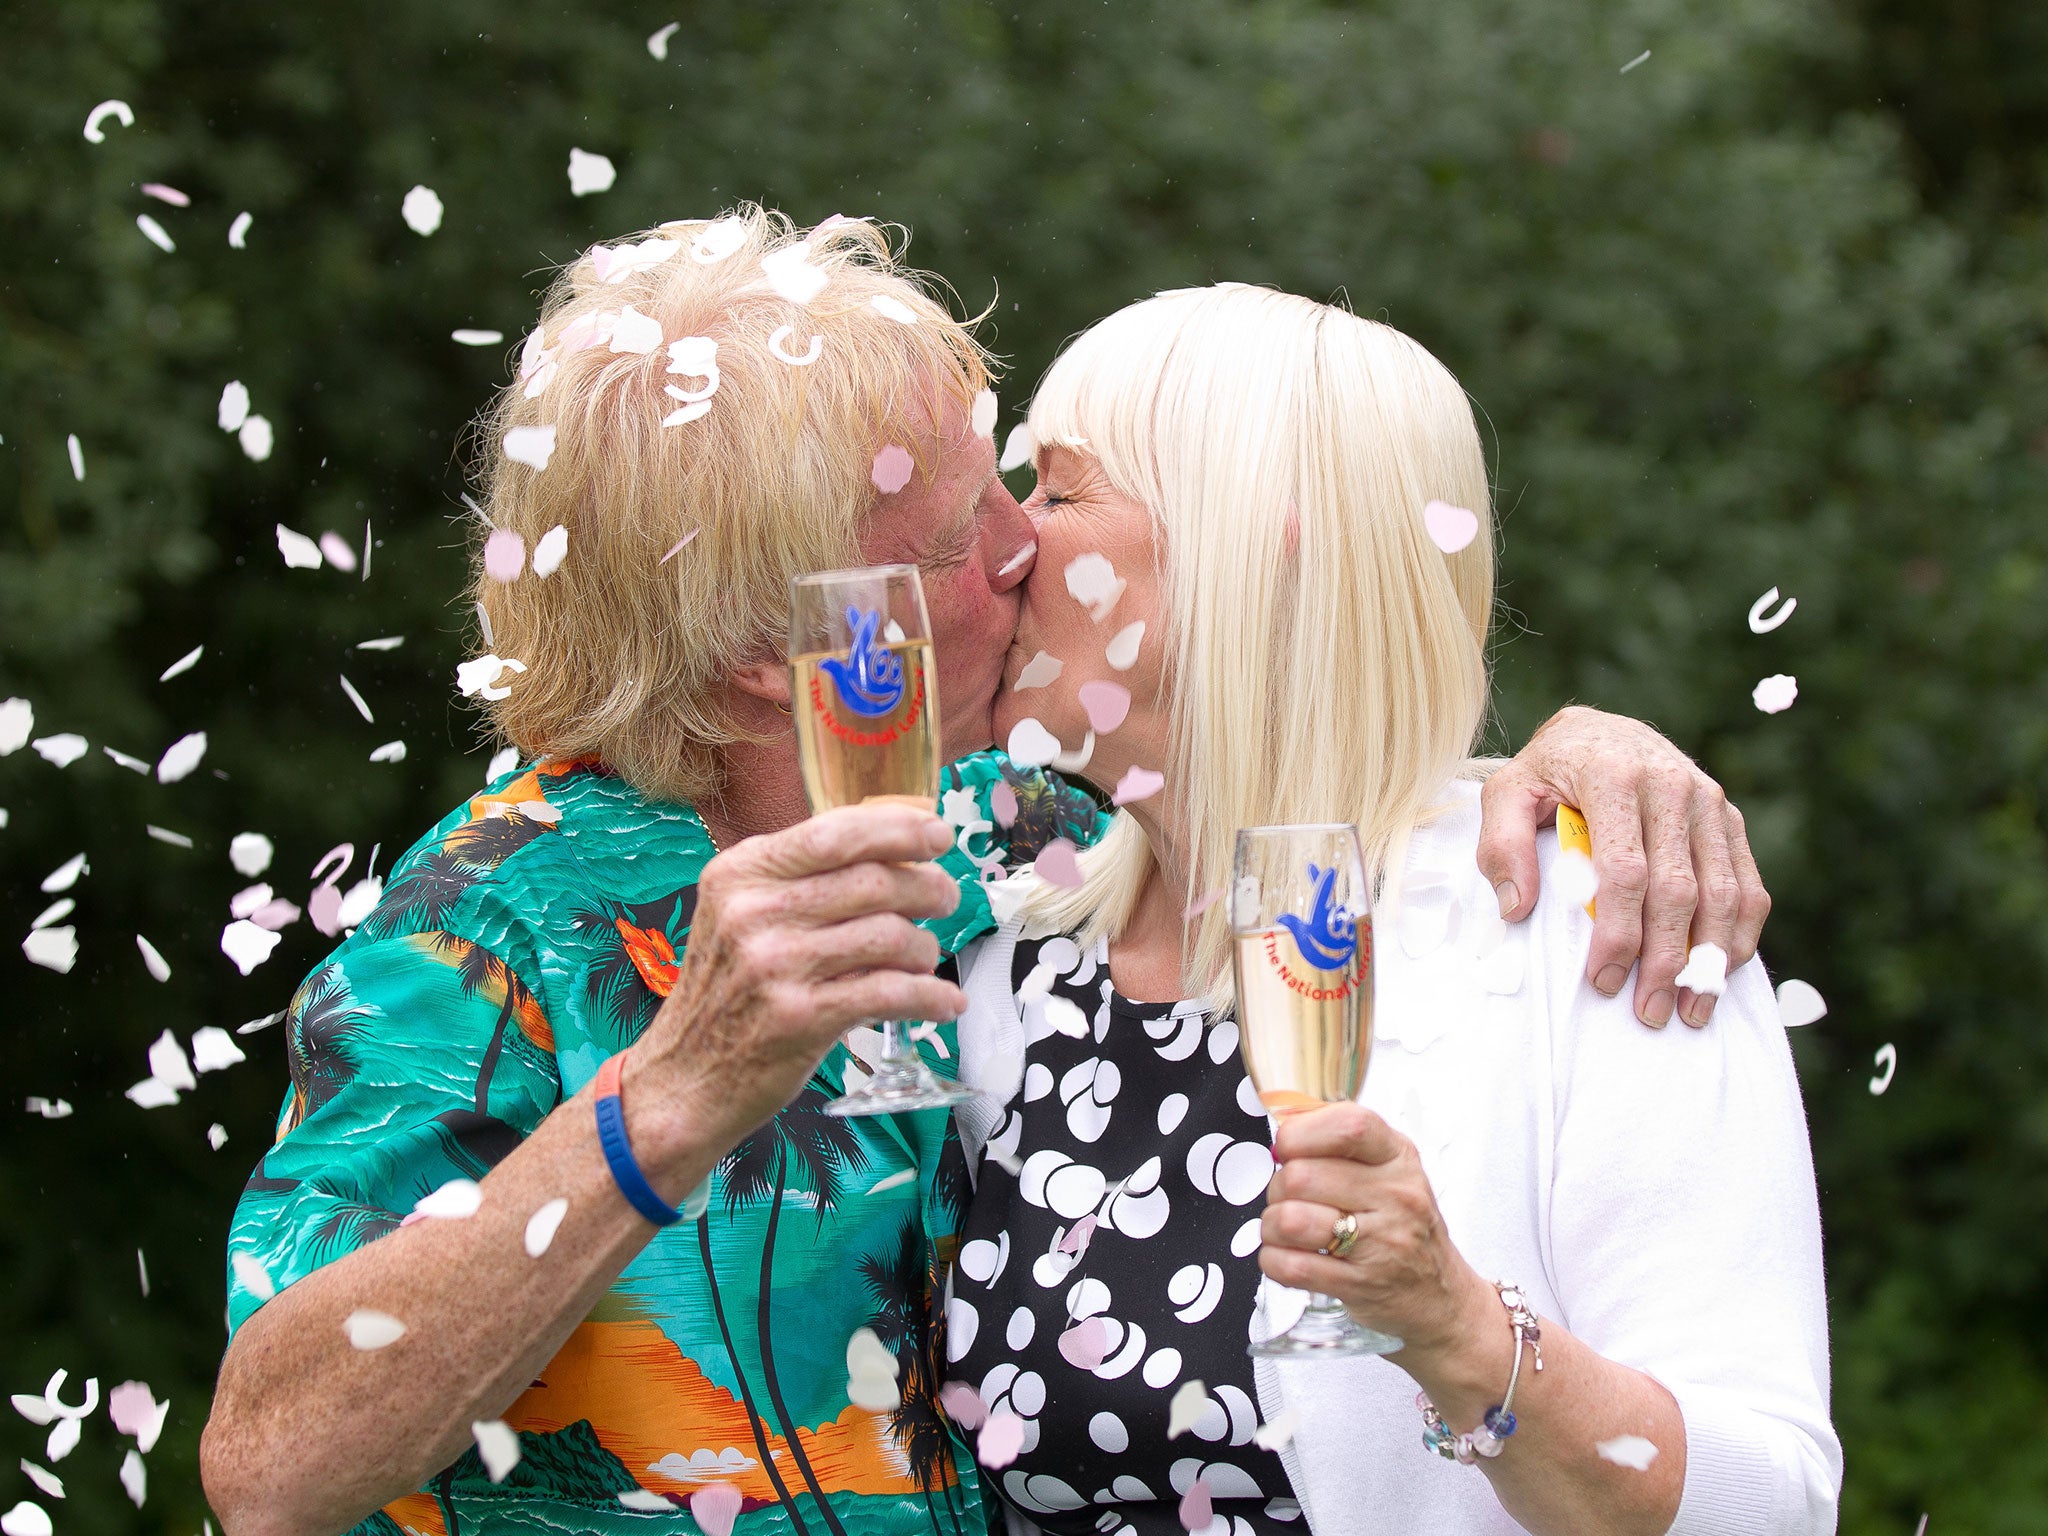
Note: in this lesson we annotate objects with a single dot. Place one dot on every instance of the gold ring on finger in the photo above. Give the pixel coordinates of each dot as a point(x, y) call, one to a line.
point(1343, 1234)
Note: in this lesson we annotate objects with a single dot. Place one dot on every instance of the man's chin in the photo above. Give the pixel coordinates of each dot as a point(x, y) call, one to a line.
point(975, 732)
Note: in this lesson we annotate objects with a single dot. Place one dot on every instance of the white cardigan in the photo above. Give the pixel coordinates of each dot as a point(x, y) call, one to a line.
point(1650, 1190)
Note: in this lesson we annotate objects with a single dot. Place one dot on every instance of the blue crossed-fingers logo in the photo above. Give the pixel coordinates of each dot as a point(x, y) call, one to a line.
point(1327, 937)
point(870, 680)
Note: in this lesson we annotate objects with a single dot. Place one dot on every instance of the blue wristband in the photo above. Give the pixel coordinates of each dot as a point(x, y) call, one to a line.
point(618, 1150)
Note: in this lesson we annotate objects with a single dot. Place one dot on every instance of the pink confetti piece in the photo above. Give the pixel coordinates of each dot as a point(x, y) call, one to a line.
point(679, 546)
point(1138, 784)
point(891, 470)
point(1085, 1345)
point(1057, 865)
point(1003, 801)
point(164, 194)
point(1107, 704)
point(1450, 528)
point(1202, 903)
point(338, 551)
point(963, 1404)
point(1002, 1437)
point(504, 555)
point(1196, 1508)
point(1076, 1240)
point(715, 1506)
point(136, 1412)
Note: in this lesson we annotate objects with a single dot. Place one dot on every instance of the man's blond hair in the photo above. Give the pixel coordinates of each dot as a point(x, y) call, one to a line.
point(624, 651)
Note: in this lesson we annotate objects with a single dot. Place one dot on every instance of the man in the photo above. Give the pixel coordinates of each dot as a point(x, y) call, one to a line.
point(705, 412)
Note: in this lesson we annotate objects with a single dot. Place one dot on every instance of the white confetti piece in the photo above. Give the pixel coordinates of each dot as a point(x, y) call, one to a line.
point(1042, 669)
point(1638, 59)
point(791, 275)
point(165, 834)
point(1758, 623)
point(718, 240)
point(1705, 970)
point(214, 1049)
point(643, 1501)
point(502, 762)
point(368, 1328)
point(63, 1438)
point(94, 134)
point(135, 1477)
point(124, 760)
point(152, 959)
point(250, 853)
point(238, 232)
point(234, 406)
point(381, 643)
point(871, 1372)
point(1189, 1403)
point(151, 1093)
point(549, 550)
point(1093, 583)
point(27, 1519)
point(480, 676)
point(135, 1411)
point(337, 550)
point(590, 173)
point(421, 210)
point(497, 1444)
point(456, 1200)
point(899, 1177)
point(300, 553)
point(1001, 1438)
point(142, 1272)
point(1574, 878)
point(55, 912)
point(1026, 553)
point(157, 235)
point(532, 446)
point(635, 332)
point(181, 757)
point(216, 1136)
point(1775, 693)
point(77, 455)
point(1031, 745)
point(49, 1109)
point(63, 749)
point(781, 334)
point(54, 949)
point(683, 415)
point(256, 438)
point(251, 1275)
point(982, 419)
point(893, 308)
point(657, 43)
point(167, 1063)
point(1631, 1451)
point(542, 1226)
point(362, 706)
point(66, 875)
point(184, 663)
point(469, 338)
point(43, 1478)
point(265, 1022)
point(247, 944)
point(1887, 1057)
point(17, 724)
point(390, 752)
point(1799, 1003)
point(1019, 448)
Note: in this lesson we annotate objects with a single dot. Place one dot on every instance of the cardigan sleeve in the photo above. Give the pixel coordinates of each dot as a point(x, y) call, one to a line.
point(1684, 1235)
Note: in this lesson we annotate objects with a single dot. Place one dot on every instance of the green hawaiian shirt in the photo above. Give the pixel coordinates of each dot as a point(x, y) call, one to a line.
point(527, 937)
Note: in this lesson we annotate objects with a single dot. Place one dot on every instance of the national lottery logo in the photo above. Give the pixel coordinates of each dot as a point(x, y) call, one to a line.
point(869, 683)
point(1328, 939)
point(870, 680)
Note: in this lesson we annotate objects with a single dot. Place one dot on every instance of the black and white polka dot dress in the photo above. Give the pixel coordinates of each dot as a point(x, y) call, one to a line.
point(1120, 1261)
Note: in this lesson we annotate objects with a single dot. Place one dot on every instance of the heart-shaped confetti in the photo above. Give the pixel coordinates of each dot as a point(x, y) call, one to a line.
point(871, 1372)
point(1122, 651)
point(1002, 800)
point(504, 555)
point(135, 1411)
point(1277, 1431)
point(1450, 528)
point(1085, 1345)
point(1189, 1403)
point(497, 1445)
point(1197, 1509)
point(1031, 745)
point(1093, 583)
point(715, 1506)
point(1106, 703)
point(1799, 1003)
point(1001, 1438)
point(1018, 448)
point(1056, 864)
point(891, 470)
point(963, 1404)
point(27, 1519)
point(1137, 784)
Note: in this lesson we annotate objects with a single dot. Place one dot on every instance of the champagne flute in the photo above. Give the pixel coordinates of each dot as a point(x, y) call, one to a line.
point(1301, 952)
point(864, 695)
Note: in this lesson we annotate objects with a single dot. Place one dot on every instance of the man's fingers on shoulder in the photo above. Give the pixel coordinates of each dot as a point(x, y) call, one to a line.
point(1511, 808)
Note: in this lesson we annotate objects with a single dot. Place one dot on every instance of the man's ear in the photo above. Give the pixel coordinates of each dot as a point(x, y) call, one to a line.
point(765, 681)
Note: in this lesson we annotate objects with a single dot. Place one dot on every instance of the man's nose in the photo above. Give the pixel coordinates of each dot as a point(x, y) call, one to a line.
point(1010, 542)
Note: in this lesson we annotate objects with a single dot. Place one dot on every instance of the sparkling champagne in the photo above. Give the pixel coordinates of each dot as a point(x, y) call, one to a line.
point(1306, 1031)
point(868, 732)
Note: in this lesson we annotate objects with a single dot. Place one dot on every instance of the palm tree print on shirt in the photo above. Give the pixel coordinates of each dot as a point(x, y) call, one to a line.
point(903, 1282)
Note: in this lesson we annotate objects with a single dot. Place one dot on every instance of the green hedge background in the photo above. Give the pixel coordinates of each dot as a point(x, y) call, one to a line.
point(1767, 309)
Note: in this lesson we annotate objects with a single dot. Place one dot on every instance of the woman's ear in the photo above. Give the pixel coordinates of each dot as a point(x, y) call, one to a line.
point(764, 681)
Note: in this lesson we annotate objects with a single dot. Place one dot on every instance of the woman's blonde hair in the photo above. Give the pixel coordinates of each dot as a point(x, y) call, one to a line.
point(624, 651)
point(1327, 659)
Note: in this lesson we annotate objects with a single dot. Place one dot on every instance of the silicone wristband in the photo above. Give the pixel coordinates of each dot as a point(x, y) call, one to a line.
point(618, 1150)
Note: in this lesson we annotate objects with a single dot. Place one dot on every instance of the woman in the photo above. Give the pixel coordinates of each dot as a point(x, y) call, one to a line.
point(1253, 468)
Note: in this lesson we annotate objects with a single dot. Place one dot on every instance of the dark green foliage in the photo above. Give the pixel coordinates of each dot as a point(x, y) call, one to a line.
point(1767, 310)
